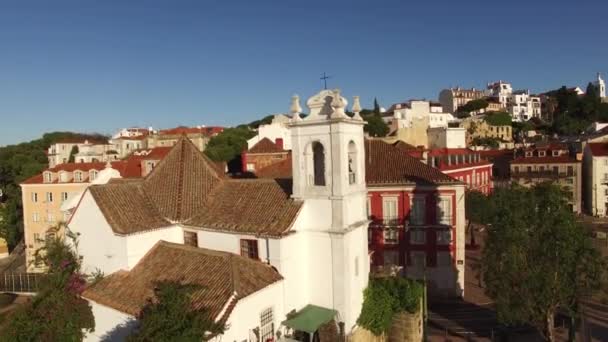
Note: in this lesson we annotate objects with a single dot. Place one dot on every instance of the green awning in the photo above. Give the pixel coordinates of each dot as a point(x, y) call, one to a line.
point(310, 318)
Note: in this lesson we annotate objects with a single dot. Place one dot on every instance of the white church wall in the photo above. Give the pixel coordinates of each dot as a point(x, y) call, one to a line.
point(246, 314)
point(139, 244)
point(100, 248)
point(110, 325)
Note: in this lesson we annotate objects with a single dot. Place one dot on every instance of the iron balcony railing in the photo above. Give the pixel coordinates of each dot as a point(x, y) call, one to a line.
point(542, 174)
point(387, 221)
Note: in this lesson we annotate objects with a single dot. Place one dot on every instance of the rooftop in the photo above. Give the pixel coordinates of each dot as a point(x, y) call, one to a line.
point(224, 278)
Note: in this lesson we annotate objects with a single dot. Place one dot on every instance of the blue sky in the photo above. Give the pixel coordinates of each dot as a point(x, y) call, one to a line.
point(95, 66)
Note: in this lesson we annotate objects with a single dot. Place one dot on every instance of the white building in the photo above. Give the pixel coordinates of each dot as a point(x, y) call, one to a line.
point(277, 129)
point(502, 91)
point(133, 132)
point(523, 106)
point(595, 170)
point(601, 86)
point(313, 235)
point(87, 151)
point(402, 115)
point(453, 98)
point(447, 137)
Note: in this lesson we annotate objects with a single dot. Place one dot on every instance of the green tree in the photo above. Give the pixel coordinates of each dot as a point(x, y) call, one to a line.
point(57, 312)
point(471, 106)
point(229, 144)
point(478, 210)
point(376, 127)
point(170, 318)
point(537, 258)
point(73, 154)
point(498, 118)
point(376, 107)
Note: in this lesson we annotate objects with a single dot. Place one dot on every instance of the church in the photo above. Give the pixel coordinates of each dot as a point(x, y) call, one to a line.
point(272, 257)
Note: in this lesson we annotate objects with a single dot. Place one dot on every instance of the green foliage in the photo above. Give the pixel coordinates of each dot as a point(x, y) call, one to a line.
point(573, 113)
point(57, 312)
point(471, 106)
point(264, 121)
point(385, 297)
point(229, 144)
point(478, 207)
point(167, 318)
point(18, 163)
point(376, 127)
point(376, 107)
point(498, 119)
point(73, 154)
point(487, 141)
point(537, 258)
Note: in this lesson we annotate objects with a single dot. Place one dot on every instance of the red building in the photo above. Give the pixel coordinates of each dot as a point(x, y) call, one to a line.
point(417, 218)
point(263, 154)
point(466, 165)
point(416, 215)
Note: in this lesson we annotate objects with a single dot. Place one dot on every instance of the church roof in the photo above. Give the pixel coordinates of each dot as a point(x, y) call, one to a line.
point(224, 278)
point(186, 187)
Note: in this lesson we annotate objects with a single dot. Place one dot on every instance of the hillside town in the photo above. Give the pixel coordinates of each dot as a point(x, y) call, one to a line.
point(284, 235)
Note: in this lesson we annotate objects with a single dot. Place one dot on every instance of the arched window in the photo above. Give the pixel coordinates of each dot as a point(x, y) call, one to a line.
point(318, 158)
point(352, 163)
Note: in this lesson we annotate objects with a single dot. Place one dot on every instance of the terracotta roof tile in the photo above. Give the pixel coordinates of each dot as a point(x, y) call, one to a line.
point(265, 146)
point(186, 187)
point(219, 274)
point(126, 169)
point(127, 208)
point(278, 170)
point(180, 183)
point(387, 165)
point(255, 206)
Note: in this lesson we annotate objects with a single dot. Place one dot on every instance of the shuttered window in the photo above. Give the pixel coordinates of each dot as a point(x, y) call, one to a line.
point(249, 248)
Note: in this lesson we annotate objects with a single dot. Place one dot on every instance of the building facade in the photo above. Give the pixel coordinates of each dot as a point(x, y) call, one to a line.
point(451, 99)
point(595, 168)
point(313, 233)
point(479, 128)
point(465, 165)
point(550, 163)
point(263, 154)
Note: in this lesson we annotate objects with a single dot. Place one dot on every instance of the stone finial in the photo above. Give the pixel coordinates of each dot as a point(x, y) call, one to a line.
point(108, 165)
point(338, 105)
point(295, 109)
point(356, 108)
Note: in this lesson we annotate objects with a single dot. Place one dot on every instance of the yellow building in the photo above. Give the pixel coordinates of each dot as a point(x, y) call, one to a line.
point(479, 128)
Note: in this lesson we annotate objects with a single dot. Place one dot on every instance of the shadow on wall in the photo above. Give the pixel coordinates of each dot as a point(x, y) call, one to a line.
point(120, 332)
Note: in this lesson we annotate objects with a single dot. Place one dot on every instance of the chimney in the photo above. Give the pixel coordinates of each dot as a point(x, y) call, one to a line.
point(279, 143)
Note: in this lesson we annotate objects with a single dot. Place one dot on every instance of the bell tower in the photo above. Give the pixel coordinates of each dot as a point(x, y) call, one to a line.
point(328, 157)
point(601, 86)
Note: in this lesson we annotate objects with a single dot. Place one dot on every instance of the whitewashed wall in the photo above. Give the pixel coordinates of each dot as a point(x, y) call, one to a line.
point(97, 244)
point(110, 325)
point(139, 244)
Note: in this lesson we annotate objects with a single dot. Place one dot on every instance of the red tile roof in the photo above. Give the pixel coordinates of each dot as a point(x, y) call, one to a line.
point(125, 168)
point(210, 131)
point(265, 146)
point(223, 279)
point(279, 170)
point(187, 187)
point(388, 165)
point(598, 149)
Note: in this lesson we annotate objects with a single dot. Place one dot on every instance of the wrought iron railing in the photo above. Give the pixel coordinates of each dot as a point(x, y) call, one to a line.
point(20, 282)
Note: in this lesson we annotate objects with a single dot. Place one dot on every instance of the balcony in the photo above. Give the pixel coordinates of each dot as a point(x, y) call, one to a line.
point(386, 221)
point(542, 174)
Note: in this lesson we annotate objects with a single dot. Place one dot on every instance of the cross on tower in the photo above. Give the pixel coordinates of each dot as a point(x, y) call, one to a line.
point(324, 78)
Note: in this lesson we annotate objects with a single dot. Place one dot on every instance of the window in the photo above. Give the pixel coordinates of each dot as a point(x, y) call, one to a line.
point(64, 196)
point(391, 236)
point(555, 153)
point(92, 175)
point(389, 210)
point(444, 210)
point(352, 163)
point(250, 167)
point(35, 217)
point(318, 157)
point(356, 266)
point(529, 169)
point(570, 171)
point(78, 176)
point(249, 248)
point(418, 210)
point(266, 325)
point(37, 238)
point(34, 197)
point(50, 217)
point(417, 236)
point(63, 177)
point(49, 197)
point(468, 179)
point(444, 259)
point(48, 177)
point(556, 170)
point(369, 207)
point(541, 153)
point(444, 237)
point(516, 169)
point(190, 239)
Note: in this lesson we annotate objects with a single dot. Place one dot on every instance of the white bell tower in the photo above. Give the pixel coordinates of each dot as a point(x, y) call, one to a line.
point(328, 157)
point(328, 161)
point(601, 86)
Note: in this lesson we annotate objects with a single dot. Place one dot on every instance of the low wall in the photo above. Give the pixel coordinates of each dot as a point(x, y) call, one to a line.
point(406, 327)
